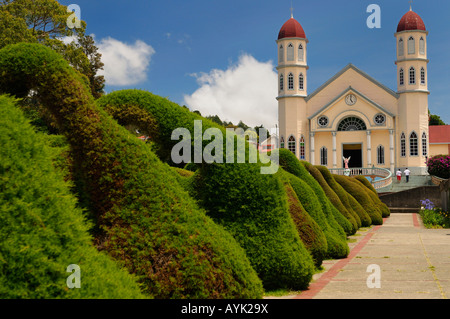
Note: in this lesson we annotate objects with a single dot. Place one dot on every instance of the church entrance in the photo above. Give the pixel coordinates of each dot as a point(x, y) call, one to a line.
point(355, 151)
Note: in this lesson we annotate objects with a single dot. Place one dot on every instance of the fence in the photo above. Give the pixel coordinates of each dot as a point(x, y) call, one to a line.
point(384, 174)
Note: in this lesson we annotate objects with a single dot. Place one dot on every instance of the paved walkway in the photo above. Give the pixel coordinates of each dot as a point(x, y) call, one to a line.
point(413, 263)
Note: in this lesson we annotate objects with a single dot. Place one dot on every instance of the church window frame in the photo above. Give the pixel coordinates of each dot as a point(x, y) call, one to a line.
point(292, 144)
point(323, 121)
point(282, 142)
point(302, 148)
point(422, 76)
point(301, 82)
point(291, 81)
point(412, 76)
point(380, 155)
point(281, 54)
point(413, 144)
point(401, 47)
point(301, 53)
point(323, 156)
point(281, 82)
point(411, 45)
point(402, 76)
point(352, 123)
point(290, 53)
point(379, 119)
point(424, 144)
point(422, 46)
point(403, 145)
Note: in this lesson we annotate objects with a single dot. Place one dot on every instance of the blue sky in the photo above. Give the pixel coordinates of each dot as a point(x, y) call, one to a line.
point(219, 56)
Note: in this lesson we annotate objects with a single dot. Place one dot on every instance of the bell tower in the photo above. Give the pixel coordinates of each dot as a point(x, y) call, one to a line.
point(292, 88)
point(412, 86)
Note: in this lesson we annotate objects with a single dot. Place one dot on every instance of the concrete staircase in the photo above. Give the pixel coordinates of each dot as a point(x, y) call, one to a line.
point(414, 182)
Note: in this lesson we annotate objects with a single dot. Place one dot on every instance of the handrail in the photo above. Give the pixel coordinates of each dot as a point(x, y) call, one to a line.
point(385, 174)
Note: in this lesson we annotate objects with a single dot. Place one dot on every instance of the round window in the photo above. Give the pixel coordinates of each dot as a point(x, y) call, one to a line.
point(323, 121)
point(380, 119)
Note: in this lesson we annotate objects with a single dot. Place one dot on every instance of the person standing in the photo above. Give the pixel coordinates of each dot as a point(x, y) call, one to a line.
point(399, 175)
point(407, 173)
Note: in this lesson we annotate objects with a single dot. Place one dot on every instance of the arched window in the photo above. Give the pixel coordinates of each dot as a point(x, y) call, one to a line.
point(301, 82)
point(422, 76)
point(424, 144)
point(302, 148)
point(282, 142)
point(290, 81)
point(412, 76)
point(281, 82)
point(401, 47)
point(291, 144)
point(403, 145)
point(301, 53)
point(290, 52)
point(380, 155)
point(402, 77)
point(411, 46)
point(413, 145)
point(281, 54)
point(422, 46)
point(352, 124)
point(324, 156)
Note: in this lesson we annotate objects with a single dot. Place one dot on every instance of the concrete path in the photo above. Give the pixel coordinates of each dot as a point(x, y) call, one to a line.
point(405, 259)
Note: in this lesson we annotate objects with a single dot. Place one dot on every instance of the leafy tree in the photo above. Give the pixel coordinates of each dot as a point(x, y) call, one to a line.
point(436, 120)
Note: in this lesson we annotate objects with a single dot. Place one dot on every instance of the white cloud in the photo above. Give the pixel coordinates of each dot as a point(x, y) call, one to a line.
point(245, 91)
point(125, 64)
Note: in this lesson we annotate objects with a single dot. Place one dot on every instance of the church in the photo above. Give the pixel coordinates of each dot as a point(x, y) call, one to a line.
point(352, 114)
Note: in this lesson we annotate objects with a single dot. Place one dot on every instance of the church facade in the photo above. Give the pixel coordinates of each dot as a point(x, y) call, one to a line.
point(352, 114)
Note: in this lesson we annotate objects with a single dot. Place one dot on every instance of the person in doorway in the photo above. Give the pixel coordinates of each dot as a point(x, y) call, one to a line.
point(407, 173)
point(399, 175)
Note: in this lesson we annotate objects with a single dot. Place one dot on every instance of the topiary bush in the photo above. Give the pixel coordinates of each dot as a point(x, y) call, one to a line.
point(42, 231)
point(360, 194)
point(146, 221)
point(251, 206)
point(384, 209)
point(334, 233)
point(310, 232)
point(340, 193)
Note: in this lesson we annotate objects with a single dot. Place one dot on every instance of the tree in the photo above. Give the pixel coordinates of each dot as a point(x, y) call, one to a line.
point(45, 21)
point(436, 120)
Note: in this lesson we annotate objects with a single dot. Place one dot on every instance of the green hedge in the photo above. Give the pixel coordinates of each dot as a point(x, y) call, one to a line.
point(251, 206)
point(146, 221)
point(383, 208)
point(341, 194)
point(42, 231)
point(360, 194)
point(310, 232)
point(334, 233)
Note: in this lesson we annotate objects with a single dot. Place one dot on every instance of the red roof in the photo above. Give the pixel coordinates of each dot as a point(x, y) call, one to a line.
point(291, 29)
point(411, 21)
point(440, 134)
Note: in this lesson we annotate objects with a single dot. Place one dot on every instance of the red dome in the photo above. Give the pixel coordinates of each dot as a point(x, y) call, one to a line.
point(411, 21)
point(291, 29)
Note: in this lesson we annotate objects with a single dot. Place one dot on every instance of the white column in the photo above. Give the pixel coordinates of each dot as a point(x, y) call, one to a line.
point(391, 149)
point(312, 156)
point(369, 149)
point(334, 150)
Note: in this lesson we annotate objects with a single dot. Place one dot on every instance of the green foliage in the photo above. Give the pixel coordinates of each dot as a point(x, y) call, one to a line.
point(360, 193)
point(436, 120)
point(340, 193)
point(42, 230)
point(310, 232)
point(146, 221)
point(334, 233)
point(371, 191)
point(251, 206)
point(349, 224)
point(439, 166)
point(435, 218)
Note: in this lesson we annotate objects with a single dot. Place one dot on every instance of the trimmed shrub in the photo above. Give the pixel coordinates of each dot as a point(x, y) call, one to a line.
point(146, 221)
point(439, 165)
point(251, 206)
point(334, 233)
point(350, 225)
point(310, 232)
point(42, 231)
point(360, 194)
point(384, 209)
